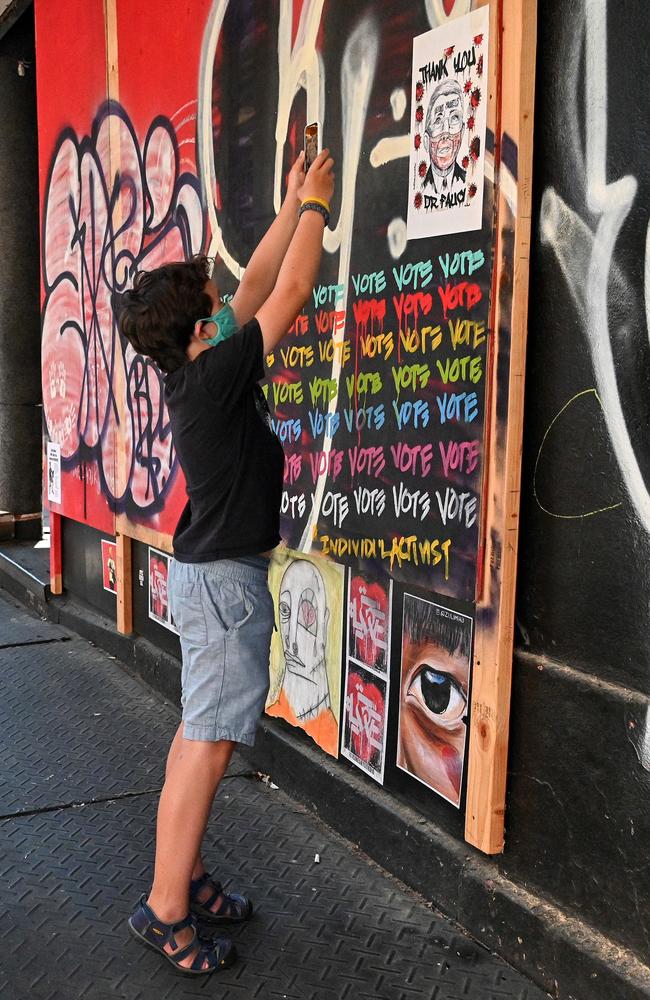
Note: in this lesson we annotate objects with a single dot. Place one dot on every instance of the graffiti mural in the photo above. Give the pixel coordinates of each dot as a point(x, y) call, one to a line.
point(583, 588)
point(378, 392)
point(387, 349)
point(96, 233)
point(582, 229)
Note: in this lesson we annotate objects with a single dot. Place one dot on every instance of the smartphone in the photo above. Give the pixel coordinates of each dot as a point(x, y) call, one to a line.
point(313, 143)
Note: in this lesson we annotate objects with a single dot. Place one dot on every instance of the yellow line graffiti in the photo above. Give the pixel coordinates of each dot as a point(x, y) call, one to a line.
point(567, 517)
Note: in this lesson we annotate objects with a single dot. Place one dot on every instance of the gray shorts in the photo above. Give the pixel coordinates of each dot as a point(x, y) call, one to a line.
point(224, 613)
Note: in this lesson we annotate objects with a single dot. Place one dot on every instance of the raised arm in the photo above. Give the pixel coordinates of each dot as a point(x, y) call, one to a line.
point(299, 268)
point(263, 268)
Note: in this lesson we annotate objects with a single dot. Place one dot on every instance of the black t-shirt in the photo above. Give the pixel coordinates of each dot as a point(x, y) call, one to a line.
point(232, 461)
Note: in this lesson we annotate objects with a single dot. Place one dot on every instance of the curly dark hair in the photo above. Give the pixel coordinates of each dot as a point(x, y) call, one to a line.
point(426, 622)
point(157, 315)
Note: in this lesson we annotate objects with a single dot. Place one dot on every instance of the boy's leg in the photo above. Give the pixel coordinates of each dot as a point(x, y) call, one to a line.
point(183, 813)
point(198, 867)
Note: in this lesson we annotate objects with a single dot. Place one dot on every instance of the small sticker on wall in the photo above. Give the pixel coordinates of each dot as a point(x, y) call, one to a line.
point(366, 680)
point(159, 609)
point(54, 472)
point(109, 566)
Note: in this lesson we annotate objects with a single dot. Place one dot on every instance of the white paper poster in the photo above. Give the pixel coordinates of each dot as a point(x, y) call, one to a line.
point(54, 472)
point(159, 609)
point(109, 566)
point(448, 120)
point(367, 681)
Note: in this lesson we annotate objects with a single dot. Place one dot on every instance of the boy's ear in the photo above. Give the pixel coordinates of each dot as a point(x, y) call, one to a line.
point(198, 331)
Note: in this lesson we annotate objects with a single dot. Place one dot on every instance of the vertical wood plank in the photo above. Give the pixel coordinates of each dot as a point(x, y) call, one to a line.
point(492, 671)
point(56, 555)
point(123, 551)
point(123, 542)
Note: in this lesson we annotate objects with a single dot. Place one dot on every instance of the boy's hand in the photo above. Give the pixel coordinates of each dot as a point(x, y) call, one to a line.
point(319, 182)
point(296, 178)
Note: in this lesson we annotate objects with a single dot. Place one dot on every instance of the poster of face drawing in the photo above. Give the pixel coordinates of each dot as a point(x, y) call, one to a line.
point(434, 695)
point(159, 609)
point(306, 651)
point(448, 121)
point(367, 680)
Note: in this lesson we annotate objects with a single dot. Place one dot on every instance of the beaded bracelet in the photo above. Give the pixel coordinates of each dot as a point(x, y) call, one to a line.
point(315, 206)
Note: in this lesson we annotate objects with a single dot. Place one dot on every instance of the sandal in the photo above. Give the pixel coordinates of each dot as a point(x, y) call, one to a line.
point(233, 908)
point(218, 952)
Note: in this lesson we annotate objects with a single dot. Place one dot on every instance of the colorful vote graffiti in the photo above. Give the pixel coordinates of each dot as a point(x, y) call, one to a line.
point(377, 392)
point(383, 461)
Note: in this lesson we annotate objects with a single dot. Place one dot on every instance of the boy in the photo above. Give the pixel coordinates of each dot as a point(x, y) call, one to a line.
point(233, 465)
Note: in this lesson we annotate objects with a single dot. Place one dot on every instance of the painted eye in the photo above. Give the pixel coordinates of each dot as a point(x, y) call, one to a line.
point(307, 616)
point(439, 695)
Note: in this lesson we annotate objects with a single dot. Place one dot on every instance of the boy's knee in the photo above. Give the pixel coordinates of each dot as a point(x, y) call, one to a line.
point(209, 750)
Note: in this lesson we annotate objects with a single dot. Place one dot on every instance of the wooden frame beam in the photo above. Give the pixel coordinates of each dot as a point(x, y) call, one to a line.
point(493, 649)
point(56, 554)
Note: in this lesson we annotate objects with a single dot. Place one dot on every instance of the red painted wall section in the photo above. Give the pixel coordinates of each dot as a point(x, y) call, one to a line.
point(70, 88)
point(103, 403)
point(158, 85)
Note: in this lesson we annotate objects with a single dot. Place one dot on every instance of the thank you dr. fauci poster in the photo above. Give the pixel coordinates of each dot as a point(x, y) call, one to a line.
point(448, 120)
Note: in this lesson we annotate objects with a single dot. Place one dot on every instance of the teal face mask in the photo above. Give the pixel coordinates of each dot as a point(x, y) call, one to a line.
point(225, 322)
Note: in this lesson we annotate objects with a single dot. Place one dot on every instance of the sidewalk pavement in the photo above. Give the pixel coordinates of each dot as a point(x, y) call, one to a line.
point(83, 751)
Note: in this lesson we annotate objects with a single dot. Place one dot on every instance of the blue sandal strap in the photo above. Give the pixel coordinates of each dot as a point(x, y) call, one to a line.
point(160, 933)
point(179, 954)
point(201, 955)
point(212, 898)
point(217, 890)
point(233, 906)
point(202, 880)
point(187, 921)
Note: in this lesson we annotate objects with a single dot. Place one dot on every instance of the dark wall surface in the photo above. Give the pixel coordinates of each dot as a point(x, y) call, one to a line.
point(585, 591)
point(20, 372)
point(579, 789)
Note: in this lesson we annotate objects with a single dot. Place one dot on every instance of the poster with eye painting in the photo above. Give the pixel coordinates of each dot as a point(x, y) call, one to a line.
point(449, 98)
point(367, 679)
point(434, 695)
point(305, 662)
